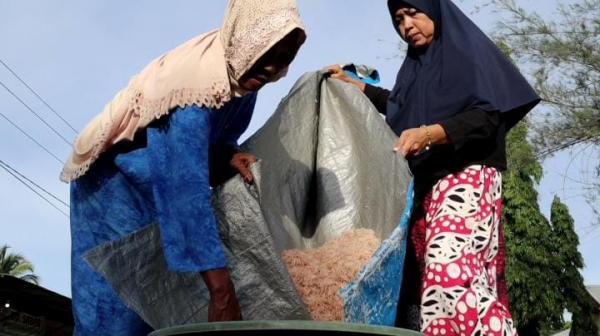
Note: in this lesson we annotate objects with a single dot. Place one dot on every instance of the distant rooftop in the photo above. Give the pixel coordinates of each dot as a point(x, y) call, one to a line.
point(595, 291)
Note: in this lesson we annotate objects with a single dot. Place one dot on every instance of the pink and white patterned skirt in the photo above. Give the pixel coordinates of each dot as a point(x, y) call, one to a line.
point(459, 246)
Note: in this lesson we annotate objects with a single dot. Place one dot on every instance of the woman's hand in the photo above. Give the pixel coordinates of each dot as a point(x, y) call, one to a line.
point(242, 163)
point(223, 304)
point(415, 140)
point(337, 72)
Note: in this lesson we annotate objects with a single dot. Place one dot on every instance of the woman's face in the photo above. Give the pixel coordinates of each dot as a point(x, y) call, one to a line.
point(415, 27)
point(273, 62)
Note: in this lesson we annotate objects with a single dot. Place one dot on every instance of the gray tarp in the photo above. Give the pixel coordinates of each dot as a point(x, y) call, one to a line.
point(326, 166)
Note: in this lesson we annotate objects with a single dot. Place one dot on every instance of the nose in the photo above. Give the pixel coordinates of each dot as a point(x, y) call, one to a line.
point(407, 24)
point(405, 27)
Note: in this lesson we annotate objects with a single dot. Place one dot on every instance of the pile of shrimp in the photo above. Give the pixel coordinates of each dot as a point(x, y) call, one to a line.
point(320, 273)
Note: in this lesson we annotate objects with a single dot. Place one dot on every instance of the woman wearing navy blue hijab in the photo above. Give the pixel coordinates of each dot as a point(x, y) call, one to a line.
point(455, 97)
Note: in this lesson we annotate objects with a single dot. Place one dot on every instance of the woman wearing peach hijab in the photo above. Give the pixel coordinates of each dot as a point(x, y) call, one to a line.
point(152, 153)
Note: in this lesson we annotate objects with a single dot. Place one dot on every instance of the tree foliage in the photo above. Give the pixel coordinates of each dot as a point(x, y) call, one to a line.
point(562, 56)
point(576, 298)
point(535, 299)
point(542, 261)
point(16, 265)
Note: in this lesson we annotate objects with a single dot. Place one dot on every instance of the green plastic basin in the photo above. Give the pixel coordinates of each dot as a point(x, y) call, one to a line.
point(286, 328)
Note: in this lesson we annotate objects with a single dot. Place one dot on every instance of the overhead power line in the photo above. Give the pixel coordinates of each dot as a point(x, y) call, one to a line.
point(31, 138)
point(10, 170)
point(34, 183)
point(38, 96)
point(36, 114)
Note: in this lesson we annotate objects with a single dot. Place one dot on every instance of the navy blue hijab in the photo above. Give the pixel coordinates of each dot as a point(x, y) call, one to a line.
point(460, 69)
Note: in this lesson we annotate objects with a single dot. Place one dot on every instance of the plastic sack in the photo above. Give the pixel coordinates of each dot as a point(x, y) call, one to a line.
point(326, 166)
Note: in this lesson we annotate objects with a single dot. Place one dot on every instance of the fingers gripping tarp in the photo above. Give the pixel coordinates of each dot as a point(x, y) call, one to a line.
point(326, 166)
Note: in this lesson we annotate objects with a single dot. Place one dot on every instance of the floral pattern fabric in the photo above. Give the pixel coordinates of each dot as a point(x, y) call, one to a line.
point(460, 248)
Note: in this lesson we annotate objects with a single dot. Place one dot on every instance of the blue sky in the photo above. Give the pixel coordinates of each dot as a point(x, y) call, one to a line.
point(78, 54)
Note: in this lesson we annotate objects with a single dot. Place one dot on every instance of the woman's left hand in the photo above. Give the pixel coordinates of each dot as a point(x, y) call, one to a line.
point(337, 72)
point(414, 140)
point(242, 163)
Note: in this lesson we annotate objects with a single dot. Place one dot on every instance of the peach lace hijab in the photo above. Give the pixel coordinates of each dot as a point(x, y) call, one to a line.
point(203, 71)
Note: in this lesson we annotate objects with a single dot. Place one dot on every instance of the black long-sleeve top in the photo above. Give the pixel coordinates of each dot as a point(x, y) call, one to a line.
point(475, 136)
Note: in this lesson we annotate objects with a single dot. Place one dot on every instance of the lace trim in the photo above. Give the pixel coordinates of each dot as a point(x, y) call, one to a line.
point(148, 111)
point(247, 44)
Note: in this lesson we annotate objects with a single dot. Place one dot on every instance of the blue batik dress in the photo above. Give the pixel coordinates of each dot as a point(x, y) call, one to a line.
point(163, 176)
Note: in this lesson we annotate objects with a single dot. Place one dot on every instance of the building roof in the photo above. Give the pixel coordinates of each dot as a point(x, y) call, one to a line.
point(595, 292)
point(34, 300)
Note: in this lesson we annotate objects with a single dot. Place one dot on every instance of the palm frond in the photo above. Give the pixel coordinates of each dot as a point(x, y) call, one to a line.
point(15, 264)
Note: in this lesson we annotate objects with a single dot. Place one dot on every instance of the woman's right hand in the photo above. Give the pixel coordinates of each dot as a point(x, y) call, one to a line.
point(242, 162)
point(223, 305)
point(337, 72)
